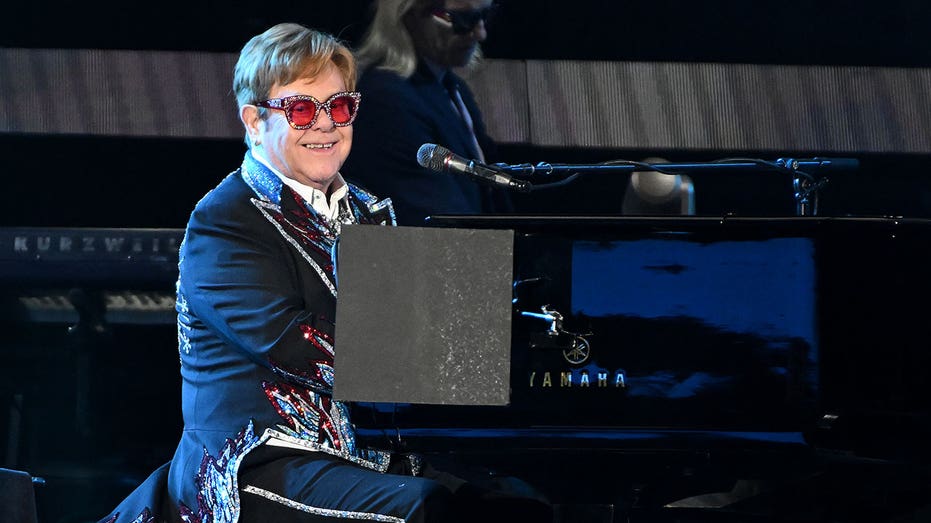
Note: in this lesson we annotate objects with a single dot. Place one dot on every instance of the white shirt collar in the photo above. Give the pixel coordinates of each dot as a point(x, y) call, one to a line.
point(317, 199)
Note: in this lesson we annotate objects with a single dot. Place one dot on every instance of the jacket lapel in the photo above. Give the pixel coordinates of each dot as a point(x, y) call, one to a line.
point(456, 137)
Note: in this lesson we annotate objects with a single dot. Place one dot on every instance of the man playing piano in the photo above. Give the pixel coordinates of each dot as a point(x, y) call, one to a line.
point(263, 438)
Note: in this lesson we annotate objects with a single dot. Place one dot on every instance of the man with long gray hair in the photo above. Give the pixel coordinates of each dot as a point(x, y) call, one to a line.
point(413, 97)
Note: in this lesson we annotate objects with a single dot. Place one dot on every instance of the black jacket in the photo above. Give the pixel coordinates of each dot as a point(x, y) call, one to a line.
point(256, 305)
point(397, 116)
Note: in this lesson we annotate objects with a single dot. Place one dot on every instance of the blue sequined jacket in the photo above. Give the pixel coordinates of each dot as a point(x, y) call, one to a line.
point(256, 303)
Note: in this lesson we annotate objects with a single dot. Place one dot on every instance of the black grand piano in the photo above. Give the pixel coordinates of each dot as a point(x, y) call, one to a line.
point(661, 369)
point(692, 369)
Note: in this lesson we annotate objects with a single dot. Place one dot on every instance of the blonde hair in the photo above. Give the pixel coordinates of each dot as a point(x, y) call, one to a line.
point(387, 44)
point(283, 54)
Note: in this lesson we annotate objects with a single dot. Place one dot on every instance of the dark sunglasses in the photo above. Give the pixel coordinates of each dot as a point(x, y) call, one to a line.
point(464, 22)
point(301, 110)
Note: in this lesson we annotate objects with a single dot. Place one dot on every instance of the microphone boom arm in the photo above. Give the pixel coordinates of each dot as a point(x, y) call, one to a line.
point(782, 164)
point(805, 185)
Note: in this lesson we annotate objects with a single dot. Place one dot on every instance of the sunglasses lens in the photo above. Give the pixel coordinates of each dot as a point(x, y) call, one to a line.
point(462, 22)
point(342, 108)
point(465, 21)
point(303, 112)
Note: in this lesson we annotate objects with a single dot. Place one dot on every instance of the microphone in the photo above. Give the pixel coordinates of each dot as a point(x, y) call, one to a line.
point(440, 159)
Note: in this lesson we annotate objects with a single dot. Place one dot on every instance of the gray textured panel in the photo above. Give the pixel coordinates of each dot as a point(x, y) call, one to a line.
point(120, 93)
point(728, 106)
point(503, 84)
point(424, 315)
point(649, 105)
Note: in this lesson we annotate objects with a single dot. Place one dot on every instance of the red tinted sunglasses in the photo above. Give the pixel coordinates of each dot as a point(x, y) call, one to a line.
point(302, 111)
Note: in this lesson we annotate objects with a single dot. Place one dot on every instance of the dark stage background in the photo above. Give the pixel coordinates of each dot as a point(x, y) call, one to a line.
point(93, 413)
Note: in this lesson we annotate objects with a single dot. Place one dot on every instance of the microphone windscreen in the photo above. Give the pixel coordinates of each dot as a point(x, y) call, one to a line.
point(425, 154)
point(433, 157)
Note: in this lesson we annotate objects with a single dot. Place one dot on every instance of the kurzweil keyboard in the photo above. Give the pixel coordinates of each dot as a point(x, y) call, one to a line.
point(53, 274)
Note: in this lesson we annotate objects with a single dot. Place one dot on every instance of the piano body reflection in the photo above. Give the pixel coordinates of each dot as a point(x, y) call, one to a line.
point(682, 364)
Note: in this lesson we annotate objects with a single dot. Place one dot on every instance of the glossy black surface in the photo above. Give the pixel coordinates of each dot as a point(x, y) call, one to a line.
point(721, 325)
